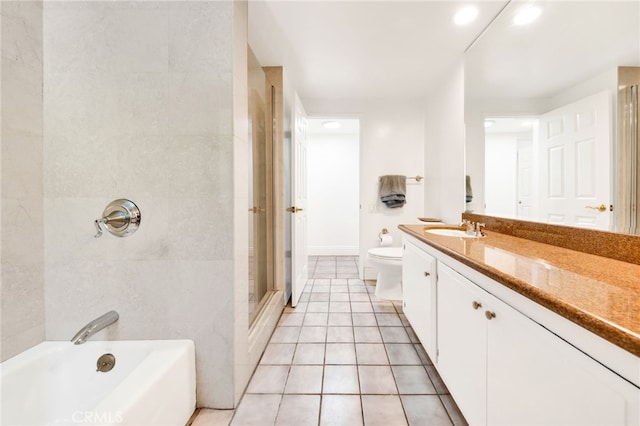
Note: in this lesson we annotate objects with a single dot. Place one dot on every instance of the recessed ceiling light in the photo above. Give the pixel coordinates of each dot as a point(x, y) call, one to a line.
point(489, 123)
point(331, 125)
point(465, 15)
point(527, 15)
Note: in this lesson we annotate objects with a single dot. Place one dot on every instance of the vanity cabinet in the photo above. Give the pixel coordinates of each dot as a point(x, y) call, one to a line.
point(462, 343)
point(504, 368)
point(419, 294)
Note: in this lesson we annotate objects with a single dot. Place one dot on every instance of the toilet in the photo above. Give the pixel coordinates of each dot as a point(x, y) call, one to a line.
point(388, 263)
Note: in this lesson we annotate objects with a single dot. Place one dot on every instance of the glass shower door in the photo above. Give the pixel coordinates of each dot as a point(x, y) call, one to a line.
point(260, 282)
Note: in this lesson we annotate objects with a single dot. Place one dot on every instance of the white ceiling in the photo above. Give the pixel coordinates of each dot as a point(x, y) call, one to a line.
point(363, 49)
point(348, 126)
point(571, 41)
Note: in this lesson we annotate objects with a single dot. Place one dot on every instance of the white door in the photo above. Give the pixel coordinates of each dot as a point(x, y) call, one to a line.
point(575, 145)
point(526, 187)
point(536, 378)
point(299, 258)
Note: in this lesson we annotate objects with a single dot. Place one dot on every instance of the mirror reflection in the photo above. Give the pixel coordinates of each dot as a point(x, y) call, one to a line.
point(541, 113)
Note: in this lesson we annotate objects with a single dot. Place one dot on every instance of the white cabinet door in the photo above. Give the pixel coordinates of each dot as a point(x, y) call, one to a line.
point(462, 343)
point(502, 368)
point(534, 377)
point(419, 293)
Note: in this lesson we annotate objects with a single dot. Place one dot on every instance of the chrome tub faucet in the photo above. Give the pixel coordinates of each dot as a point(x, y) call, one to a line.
point(94, 326)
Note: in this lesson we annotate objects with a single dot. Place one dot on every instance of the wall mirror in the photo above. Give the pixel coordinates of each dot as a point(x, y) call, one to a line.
point(541, 113)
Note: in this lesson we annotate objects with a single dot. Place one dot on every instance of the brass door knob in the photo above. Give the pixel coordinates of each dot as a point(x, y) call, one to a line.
point(490, 315)
point(476, 305)
point(294, 209)
point(600, 208)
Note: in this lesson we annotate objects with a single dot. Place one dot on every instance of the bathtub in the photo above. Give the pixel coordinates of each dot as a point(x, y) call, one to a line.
point(56, 383)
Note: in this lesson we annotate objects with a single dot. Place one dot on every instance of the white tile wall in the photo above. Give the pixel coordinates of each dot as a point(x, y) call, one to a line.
point(21, 236)
point(243, 367)
point(138, 103)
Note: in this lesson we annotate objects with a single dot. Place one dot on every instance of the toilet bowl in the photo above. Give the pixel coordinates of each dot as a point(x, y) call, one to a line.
point(388, 263)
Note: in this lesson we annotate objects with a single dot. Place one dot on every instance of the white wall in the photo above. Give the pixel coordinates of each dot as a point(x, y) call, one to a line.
point(333, 194)
point(139, 103)
point(21, 238)
point(392, 142)
point(444, 152)
point(606, 80)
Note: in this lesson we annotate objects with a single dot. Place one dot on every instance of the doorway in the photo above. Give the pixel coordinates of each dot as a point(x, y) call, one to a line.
point(511, 181)
point(333, 173)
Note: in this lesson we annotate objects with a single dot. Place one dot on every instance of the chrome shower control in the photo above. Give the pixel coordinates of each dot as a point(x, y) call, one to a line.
point(121, 218)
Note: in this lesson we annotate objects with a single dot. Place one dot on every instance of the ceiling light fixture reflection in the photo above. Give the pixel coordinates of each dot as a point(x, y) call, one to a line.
point(465, 15)
point(331, 124)
point(527, 15)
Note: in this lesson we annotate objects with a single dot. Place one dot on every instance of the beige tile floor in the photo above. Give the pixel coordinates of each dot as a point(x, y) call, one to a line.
point(341, 357)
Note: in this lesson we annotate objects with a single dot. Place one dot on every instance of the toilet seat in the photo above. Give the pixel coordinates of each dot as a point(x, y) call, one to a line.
point(386, 253)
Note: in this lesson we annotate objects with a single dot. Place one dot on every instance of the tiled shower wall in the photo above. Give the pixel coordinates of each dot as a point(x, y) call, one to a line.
point(21, 174)
point(138, 104)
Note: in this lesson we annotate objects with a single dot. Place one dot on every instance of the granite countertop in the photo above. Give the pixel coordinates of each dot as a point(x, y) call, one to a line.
point(600, 294)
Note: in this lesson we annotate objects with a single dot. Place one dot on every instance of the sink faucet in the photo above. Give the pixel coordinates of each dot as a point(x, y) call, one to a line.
point(94, 326)
point(473, 228)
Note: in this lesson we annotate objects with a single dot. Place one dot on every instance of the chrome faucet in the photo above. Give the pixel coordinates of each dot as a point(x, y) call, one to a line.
point(94, 326)
point(473, 228)
point(467, 226)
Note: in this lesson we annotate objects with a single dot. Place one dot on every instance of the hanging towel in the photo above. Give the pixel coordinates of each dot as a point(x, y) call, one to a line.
point(392, 190)
point(469, 194)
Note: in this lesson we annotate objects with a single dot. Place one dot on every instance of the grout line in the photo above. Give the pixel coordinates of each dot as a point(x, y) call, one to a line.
point(377, 316)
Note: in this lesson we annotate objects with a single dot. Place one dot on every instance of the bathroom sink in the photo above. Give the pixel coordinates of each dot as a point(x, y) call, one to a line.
point(451, 233)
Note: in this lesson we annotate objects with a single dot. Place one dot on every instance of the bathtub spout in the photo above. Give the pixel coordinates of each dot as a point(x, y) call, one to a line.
point(94, 326)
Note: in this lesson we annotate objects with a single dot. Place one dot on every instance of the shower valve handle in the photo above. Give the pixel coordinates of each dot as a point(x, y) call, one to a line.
point(98, 228)
point(121, 218)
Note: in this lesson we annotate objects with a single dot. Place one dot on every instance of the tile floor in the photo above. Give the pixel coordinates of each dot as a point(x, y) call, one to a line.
point(342, 357)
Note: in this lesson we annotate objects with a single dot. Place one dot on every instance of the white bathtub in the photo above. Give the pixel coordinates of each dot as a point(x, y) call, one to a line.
point(56, 383)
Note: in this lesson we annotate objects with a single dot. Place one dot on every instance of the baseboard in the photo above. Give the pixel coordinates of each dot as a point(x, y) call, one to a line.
point(333, 250)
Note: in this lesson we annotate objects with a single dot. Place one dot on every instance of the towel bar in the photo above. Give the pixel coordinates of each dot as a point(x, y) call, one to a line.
point(417, 178)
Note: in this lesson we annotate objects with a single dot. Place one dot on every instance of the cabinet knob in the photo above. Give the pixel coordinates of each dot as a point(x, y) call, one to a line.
point(426, 274)
point(476, 305)
point(489, 315)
